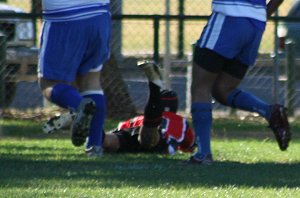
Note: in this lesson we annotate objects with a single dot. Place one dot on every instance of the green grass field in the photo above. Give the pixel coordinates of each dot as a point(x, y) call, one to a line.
point(33, 164)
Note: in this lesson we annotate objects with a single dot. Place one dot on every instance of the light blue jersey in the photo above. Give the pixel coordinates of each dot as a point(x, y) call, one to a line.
point(254, 9)
point(68, 10)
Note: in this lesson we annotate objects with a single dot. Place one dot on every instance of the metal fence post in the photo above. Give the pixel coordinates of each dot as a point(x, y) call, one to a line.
point(36, 8)
point(276, 62)
point(181, 29)
point(117, 28)
point(156, 39)
point(290, 72)
point(189, 75)
point(167, 56)
point(2, 68)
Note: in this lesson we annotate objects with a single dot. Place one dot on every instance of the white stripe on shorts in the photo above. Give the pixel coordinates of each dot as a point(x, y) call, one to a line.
point(45, 33)
point(205, 35)
point(99, 68)
point(215, 32)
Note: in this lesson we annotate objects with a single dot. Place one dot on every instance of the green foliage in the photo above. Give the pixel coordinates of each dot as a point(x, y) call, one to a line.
point(49, 166)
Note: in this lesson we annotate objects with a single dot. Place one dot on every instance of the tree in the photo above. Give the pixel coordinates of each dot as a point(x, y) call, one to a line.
point(118, 101)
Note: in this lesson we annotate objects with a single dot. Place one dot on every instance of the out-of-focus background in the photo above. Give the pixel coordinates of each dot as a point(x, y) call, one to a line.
point(160, 30)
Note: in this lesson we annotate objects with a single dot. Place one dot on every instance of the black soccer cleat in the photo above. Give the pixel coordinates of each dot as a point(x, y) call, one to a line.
point(279, 124)
point(152, 71)
point(81, 125)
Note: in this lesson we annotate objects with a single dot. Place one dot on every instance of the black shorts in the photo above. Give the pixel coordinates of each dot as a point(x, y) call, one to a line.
point(129, 143)
point(213, 62)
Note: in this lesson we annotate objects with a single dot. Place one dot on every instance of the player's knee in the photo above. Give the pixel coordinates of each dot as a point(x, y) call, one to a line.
point(89, 81)
point(147, 142)
point(46, 88)
point(220, 92)
point(148, 137)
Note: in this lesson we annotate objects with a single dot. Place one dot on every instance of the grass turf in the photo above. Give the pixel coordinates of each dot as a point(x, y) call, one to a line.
point(40, 165)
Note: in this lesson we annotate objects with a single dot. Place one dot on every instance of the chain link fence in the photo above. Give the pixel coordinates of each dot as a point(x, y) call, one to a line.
point(163, 30)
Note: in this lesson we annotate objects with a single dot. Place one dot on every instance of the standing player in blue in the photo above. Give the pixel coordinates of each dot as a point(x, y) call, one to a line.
point(74, 46)
point(227, 47)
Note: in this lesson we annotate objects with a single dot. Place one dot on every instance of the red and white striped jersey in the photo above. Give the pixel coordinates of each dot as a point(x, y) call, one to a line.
point(173, 128)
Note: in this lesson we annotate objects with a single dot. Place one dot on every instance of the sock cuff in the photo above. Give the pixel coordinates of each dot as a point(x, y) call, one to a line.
point(201, 107)
point(92, 92)
point(232, 97)
point(202, 113)
point(98, 98)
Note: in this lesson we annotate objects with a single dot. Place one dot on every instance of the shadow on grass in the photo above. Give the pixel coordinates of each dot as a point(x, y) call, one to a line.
point(148, 170)
point(33, 129)
point(223, 128)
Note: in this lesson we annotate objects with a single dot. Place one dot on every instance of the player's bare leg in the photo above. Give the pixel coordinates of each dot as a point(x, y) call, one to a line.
point(202, 84)
point(149, 135)
point(47, 86)
point(67, 96)
point(91, 90)
point(277, 116)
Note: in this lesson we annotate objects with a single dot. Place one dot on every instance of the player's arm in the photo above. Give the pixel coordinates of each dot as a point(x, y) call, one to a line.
point(272, 6)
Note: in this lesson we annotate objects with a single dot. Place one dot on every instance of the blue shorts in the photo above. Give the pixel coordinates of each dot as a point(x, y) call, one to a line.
point(232, 37)
point(73, 48)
